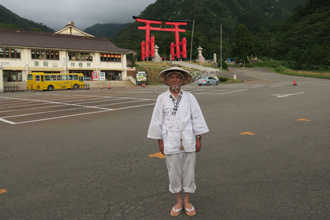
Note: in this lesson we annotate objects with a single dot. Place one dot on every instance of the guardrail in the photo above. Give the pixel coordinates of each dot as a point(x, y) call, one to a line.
point(13, 89)
point(198, 74)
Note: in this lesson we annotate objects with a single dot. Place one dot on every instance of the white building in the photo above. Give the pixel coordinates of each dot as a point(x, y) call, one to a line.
point(65, 51)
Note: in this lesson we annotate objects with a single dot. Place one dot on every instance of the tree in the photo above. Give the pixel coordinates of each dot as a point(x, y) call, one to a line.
point(243, 44)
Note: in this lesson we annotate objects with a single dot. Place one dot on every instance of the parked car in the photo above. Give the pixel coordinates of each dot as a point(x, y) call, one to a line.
point(207, 80)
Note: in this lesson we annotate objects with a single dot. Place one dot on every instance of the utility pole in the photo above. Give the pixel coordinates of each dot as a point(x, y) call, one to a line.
point(221, 46)
point(192, 37)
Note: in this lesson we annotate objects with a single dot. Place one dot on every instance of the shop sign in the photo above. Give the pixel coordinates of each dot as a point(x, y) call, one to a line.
point(45, 64)
point(141, 77)
point(94, 76)
point(81, 65)
point(102, 76)
point(131, 69)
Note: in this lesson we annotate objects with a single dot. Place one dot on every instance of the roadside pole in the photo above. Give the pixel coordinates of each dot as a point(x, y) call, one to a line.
point(1, 78)
point(221, 46)
point(192, 38)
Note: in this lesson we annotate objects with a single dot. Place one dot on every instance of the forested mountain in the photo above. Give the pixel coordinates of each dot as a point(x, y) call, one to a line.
point(105, 30)
point(257, 15)
point(303, 40)
point(296, 31)
point(10, 20)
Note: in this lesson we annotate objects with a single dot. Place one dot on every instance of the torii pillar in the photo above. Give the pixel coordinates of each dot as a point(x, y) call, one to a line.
point(147, 46)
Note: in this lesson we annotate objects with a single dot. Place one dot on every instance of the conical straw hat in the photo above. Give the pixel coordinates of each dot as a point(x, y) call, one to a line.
point(187, 77)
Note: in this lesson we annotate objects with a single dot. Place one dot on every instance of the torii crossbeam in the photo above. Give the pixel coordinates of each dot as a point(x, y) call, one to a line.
point(148, 46)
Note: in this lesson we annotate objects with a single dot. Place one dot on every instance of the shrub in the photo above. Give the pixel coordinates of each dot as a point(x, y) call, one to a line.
point(224, 65)
point(280, 69)
point(222, 79)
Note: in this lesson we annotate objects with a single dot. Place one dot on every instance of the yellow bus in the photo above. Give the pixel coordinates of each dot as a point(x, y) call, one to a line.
point(51, 81)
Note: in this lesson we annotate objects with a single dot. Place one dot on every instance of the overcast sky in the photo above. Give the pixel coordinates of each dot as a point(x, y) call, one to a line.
point(85, 13)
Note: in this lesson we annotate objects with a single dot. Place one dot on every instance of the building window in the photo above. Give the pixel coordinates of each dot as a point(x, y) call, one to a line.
point(11, 53)
point(106, 57)
point(45, 54)
point(12, 76)
point(80, 56)
point(87, 73)
point(112, 75)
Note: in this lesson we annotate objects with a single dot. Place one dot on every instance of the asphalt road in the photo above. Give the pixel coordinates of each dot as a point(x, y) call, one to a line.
point(69, 155)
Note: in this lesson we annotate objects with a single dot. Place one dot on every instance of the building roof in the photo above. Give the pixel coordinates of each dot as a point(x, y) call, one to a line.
point(72, 30)
point(18, 38)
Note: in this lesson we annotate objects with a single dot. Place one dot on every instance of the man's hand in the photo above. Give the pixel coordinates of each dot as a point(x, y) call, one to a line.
point(198, 144)
point(161, 146)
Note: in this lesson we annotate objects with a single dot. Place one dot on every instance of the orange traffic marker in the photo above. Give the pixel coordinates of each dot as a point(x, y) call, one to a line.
point(100, 87)
point(159, 155)
point(247, 133)
point(109, 87)
point(294, 83)
point(303, 119)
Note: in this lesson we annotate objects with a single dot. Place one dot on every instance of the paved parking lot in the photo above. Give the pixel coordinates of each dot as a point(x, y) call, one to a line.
point(36, 106)
point(49, 106)
point(69, 155)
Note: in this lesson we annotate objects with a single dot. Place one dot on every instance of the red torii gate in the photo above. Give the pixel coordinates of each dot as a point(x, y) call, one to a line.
point(148, 46)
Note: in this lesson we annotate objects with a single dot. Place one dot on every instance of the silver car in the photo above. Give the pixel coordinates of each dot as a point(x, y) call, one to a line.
point(207, 80)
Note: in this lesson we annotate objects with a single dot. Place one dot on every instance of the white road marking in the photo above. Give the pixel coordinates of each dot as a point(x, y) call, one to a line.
point(224, 93)
point(59, 104)
point(25, 104)
point(6, 121)
point(65, 116)
point(73, 115)
point(37, 113)
point(62, 103)
point(135, 106)
point(22, 109)
point(100, 100)
point(287, 95)
point(119, 103)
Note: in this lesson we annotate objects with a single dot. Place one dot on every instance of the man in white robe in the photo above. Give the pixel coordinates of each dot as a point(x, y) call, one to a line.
point(177, 123)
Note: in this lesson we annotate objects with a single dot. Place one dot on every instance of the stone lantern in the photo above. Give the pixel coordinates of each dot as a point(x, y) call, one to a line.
point(156, 58)
point(200, 57)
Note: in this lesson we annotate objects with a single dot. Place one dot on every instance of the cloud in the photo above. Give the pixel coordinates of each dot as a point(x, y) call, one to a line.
point(85, 13)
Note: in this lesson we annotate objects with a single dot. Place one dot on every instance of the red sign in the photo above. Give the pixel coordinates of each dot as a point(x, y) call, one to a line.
point(94, 76)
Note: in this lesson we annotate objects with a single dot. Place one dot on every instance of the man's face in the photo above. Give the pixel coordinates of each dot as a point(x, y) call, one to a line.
point(174, 80)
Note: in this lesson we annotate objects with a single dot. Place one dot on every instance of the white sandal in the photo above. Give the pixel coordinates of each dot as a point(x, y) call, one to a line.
point(175, 212)
point(190, 212)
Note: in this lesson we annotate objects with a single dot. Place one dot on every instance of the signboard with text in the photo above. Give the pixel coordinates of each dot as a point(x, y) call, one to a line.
point(94, 76)
point(141, 77)
point(102, 76)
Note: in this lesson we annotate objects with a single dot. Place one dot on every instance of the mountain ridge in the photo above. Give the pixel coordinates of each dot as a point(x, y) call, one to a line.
point(303, 39)
point(10, 20)
point(208, 15)
point(105, 30)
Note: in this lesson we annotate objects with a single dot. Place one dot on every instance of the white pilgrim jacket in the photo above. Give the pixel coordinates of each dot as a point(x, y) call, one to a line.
point(186, 124)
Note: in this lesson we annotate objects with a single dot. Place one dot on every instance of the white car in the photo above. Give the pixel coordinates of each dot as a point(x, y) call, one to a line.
point(207, 80)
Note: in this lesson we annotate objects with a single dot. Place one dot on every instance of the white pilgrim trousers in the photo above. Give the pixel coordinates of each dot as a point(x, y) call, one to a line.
point(181, 171)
